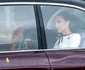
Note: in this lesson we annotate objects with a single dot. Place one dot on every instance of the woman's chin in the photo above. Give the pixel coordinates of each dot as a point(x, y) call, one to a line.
point(59, 32)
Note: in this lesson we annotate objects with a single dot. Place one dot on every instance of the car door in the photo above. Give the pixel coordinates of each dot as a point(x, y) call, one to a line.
point(64, 56)
point(20, 38)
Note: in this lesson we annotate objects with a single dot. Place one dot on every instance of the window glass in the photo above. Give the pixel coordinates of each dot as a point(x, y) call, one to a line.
point(17, 28)
point(64, 27)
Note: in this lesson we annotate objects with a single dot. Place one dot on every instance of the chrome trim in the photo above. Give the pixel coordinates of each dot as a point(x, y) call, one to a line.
point(67, 49)
point(20, 51)
point(39, 3)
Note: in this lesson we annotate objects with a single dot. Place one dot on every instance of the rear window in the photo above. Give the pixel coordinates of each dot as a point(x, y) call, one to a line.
point(17, 28)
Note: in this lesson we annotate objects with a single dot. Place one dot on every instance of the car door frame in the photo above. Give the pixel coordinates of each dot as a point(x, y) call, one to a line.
point(10, 58)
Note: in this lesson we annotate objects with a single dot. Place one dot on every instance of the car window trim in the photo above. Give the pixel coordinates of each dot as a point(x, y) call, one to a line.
point(38, 26)
point(21, 51)
point(76, 49)
point(43, 36)
point(42, 3)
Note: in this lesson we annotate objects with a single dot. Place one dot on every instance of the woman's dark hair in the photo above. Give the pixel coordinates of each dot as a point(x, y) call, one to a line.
point(66, 16)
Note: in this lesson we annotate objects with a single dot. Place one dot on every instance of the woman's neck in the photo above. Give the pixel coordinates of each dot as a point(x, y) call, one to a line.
point(66, 32)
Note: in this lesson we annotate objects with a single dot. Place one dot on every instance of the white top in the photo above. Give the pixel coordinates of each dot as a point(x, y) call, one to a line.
point(69, 41)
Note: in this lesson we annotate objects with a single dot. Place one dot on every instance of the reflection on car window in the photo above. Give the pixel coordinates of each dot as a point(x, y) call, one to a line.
point(17, 28)
point(64, 28)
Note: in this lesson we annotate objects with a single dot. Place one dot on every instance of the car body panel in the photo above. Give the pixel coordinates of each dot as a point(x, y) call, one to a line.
point(30, 59)
point(66, 58)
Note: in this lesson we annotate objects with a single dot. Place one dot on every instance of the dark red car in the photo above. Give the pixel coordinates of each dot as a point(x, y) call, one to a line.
point(28, 35)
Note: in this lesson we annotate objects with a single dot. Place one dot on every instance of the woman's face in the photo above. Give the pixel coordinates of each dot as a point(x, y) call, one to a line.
point(61, 24)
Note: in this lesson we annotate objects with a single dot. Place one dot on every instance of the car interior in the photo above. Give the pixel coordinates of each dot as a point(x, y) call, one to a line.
point(76, 26)
point(26, 21)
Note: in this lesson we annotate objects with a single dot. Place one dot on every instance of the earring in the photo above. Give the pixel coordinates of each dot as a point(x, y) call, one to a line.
point(66, 25)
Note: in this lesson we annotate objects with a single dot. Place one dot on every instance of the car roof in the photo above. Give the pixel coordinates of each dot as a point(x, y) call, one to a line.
point(72, 2)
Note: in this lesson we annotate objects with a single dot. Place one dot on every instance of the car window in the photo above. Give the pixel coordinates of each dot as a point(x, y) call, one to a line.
point(64, 27)
point(17, 28)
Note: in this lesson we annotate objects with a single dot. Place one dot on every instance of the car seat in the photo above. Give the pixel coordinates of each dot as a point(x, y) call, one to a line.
point(51, 38)
point(82, 34)
point(30, 37)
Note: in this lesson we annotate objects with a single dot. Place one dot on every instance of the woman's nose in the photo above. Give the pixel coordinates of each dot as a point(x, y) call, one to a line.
point(56, 24)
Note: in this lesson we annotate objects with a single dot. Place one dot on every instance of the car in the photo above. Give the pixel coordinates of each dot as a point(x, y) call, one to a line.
point(28, 35)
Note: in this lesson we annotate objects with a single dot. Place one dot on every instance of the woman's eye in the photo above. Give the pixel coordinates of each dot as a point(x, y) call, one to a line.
point(59, 21)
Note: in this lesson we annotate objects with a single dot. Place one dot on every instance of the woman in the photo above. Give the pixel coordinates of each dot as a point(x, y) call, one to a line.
point(67, 39)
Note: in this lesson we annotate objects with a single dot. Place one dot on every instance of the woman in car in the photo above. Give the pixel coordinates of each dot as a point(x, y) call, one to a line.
point(67, 39)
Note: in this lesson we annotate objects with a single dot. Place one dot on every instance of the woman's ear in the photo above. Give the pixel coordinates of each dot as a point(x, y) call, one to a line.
point(68, 22)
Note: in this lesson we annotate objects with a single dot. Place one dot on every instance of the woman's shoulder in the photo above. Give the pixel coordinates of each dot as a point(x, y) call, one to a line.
point(76, 35)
